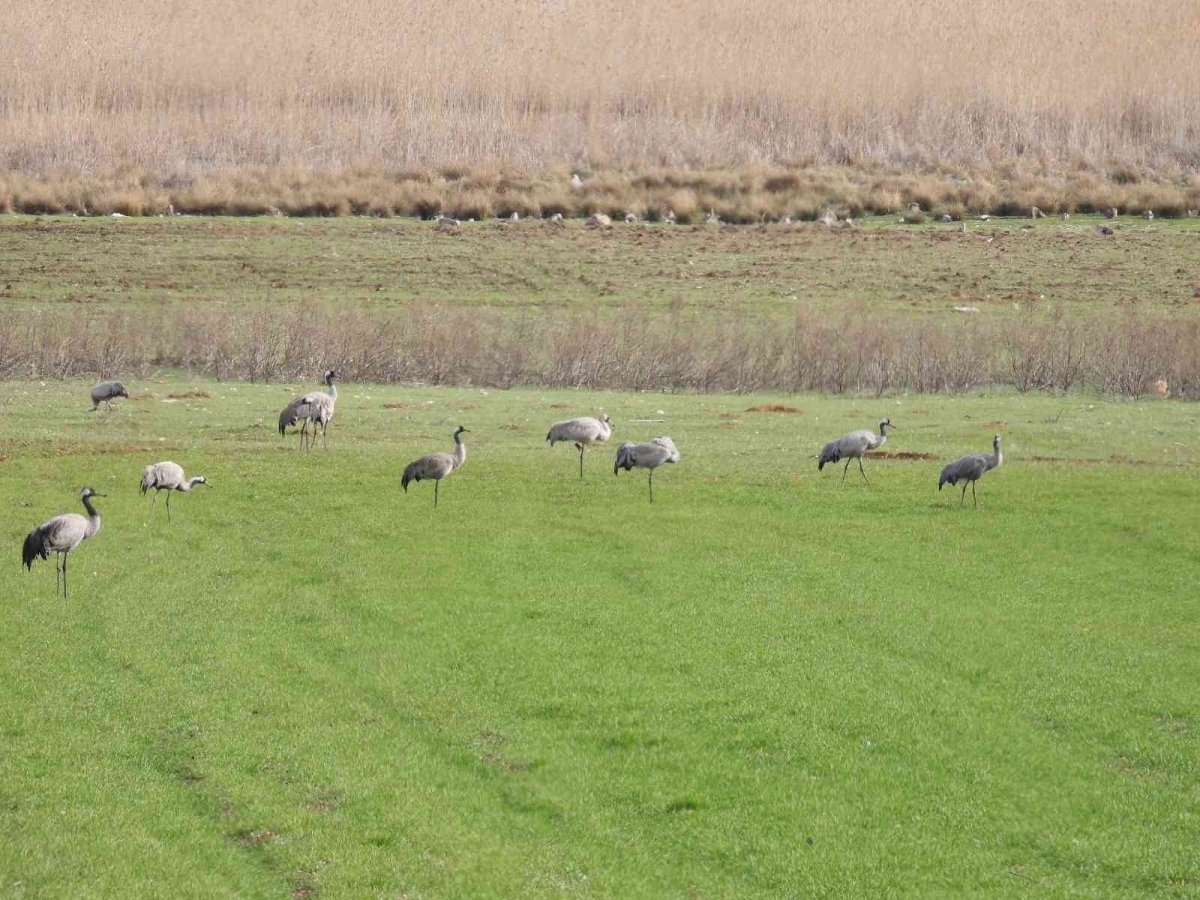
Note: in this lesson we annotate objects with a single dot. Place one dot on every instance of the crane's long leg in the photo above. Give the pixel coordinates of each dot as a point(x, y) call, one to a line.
point(581, 449)
point(860, 468)
point(651, 485)
point(436, 482)
point(324, 435)
point(963, 497)
point(154, 502)
point(66, 596)
point(168, 506)
point(974, 499)
point(845, 470)
point(57, 562)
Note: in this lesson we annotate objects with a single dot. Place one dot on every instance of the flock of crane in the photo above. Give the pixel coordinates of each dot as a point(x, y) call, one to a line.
point(63, 533)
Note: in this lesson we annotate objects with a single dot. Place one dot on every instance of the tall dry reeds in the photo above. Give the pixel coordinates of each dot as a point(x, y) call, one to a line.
point(184, 90)
point(631, 349)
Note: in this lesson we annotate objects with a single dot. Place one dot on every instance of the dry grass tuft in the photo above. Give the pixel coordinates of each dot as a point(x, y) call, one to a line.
point(191, 395)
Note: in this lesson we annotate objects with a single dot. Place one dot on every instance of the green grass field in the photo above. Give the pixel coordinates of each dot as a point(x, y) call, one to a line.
point(310, 684)
point(771, 271)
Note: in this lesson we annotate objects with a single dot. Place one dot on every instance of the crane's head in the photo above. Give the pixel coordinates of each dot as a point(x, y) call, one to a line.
point(886, 423)
point(88, 492)
point(330, 374)
point(460, 430)
point(605, 419)
point(121, 392)
point(995, 440)
point(200, 479)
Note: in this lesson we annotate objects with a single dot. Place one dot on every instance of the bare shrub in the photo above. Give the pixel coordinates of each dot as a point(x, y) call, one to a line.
point(631, 348)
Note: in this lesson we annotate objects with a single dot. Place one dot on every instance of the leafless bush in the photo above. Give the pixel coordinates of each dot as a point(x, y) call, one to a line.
point(627, 348)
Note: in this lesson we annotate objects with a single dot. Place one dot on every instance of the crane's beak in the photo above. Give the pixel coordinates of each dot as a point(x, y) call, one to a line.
point(99, 495)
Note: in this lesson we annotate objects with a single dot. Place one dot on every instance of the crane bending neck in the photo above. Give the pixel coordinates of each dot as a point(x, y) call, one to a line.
point(93, 516)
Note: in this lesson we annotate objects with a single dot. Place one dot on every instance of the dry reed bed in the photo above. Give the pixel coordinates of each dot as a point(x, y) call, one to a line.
point(749, 193)
point(186, 90)
point(632, 350)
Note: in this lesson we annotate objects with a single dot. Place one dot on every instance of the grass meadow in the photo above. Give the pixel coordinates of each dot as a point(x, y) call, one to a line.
point(310, 684)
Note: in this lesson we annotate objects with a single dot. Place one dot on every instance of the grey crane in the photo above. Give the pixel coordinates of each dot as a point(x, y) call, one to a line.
point(104, 392)
point(60, 535)
point(971, 468)
point(582, 432)
point(646, 455)
point(853, 446)
point(436, 465)
point(317, 407)
point(167, 476)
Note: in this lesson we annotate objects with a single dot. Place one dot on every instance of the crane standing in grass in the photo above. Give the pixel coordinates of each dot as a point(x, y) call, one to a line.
point(317, 407)
point(60, 535)
point(436, 465)
point(581, 432)
point(167, 476)
point(853, 446)
point(971, 468)
point(104, 392)
point(646, 455)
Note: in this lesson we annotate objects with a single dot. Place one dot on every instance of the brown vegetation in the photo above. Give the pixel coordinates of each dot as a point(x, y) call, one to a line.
point(632, 350)
point(382, 107)
point(750, 193)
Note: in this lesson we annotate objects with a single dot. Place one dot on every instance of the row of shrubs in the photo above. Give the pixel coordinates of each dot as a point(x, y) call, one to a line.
point(738, 195)
point(629, 349)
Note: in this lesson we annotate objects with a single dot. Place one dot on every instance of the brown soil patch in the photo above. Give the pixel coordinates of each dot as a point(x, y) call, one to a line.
point(900, 454)
point(774, 407)
point(508, 765)
point(511, 426)
point(191, 395)
point(255, 838)
point(560, 405)
point(397, 405)
point(1117, 459)
point(142, 397)
point(326, 800)
point(995, 424)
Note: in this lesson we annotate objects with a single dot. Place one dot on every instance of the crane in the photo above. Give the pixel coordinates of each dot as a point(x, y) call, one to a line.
point(853, 446)
point(646, 455)
point(167, 476)
point(436, 465)
point(582, 432)
point(60, 535)
point(971, 468)
point(316, 406)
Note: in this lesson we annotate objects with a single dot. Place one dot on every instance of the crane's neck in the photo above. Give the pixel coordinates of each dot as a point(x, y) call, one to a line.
point(997, 457)
point(460, 451)
point(605, 428)
point(187, 486)
point(882, 436)
point(93, 516)
point(332, 388)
